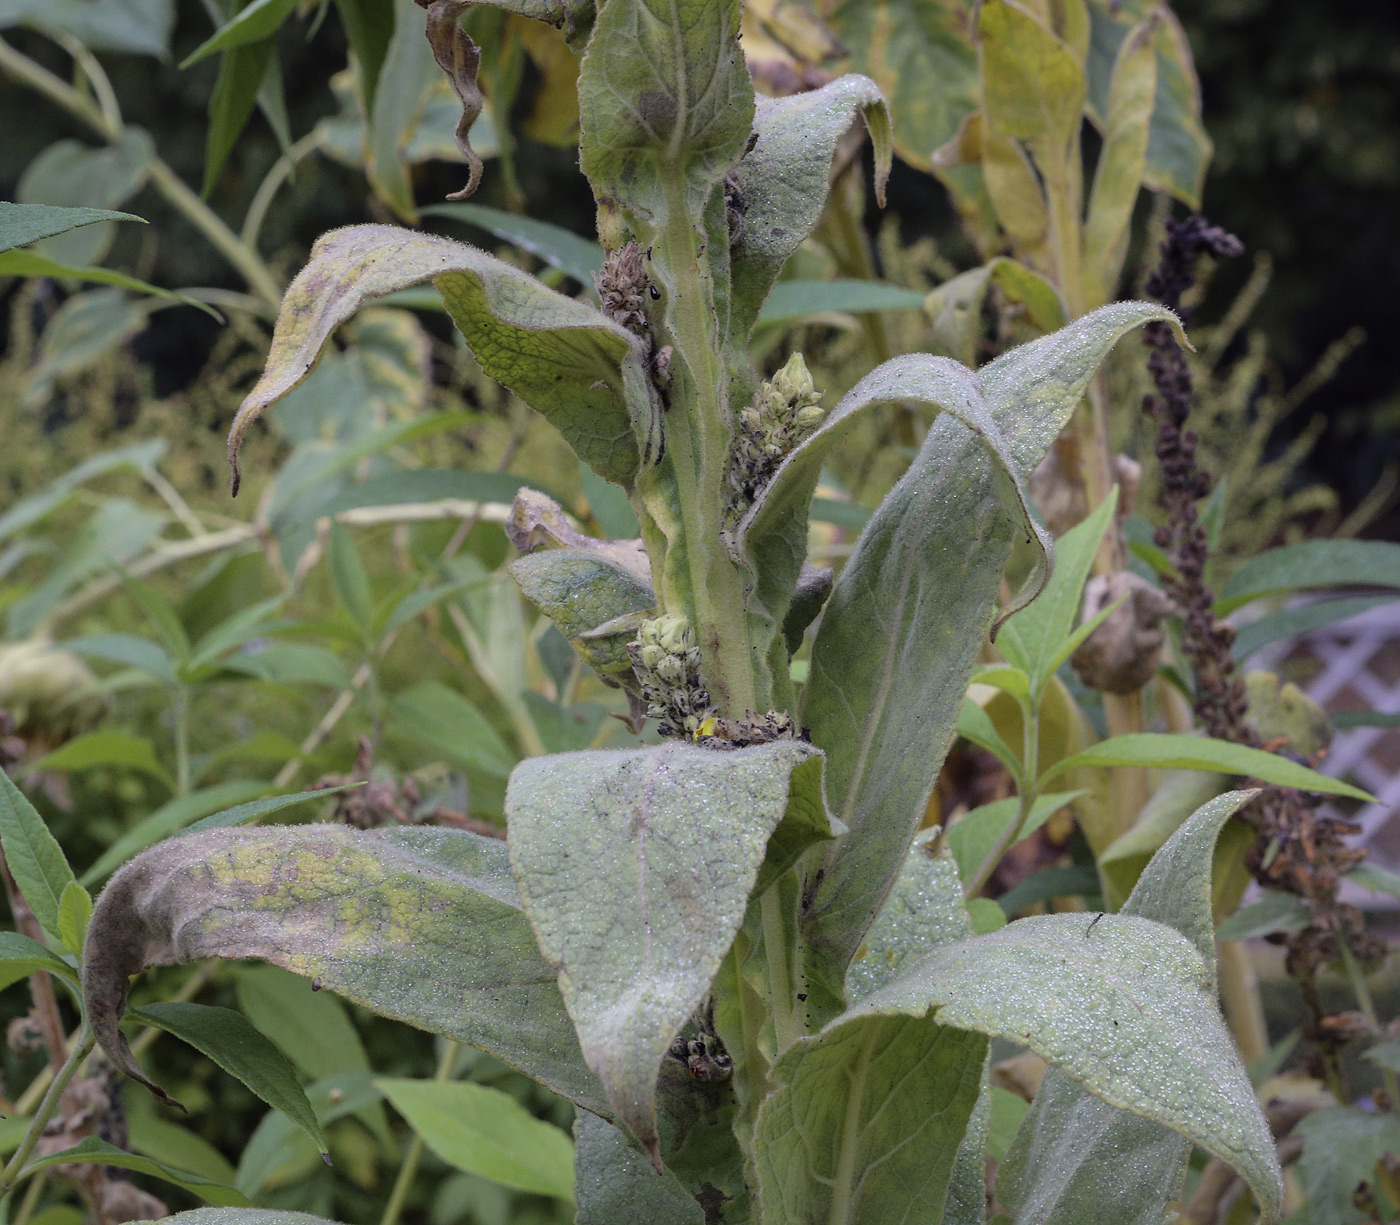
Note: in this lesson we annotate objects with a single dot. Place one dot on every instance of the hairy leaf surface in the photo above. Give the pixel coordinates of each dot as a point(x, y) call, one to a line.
point(635, 868)
point(1126, 1008)
point(902, 628)
point(783, 181)
point(418, 924)
point(868, 1119)
point(616, 1185)
point(562, 357)
point(1077, 1160)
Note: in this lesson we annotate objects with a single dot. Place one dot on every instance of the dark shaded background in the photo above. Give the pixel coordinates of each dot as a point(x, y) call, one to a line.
point(1301, 99)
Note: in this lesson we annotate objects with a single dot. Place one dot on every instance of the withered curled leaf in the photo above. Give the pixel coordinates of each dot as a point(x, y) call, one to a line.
point(459, 58)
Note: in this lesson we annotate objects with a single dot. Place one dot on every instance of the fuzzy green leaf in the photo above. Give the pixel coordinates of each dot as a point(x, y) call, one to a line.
point(418, 924)
point(901, 631)
point(907, 46)
point(561, 356)
point(556, 246)
point(1126, 1008)
point(581, 590)
point(635, 868)
point(773, 532)
point(883, 1147)
point(616, 1185)
point(1078, 1160)
point(783, 184)
point(665, 104)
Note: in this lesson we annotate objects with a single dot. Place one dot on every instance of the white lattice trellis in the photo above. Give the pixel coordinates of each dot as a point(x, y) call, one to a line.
point(1355, 665)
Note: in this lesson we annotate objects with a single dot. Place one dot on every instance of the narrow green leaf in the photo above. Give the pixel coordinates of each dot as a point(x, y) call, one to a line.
point(1033, 638)
point(440, 720)
point(162, 615)
point(562, 357)
point(32, 264)
point(1162, 751)
point(419, 924)
point(105, 749)
point(976, 725)
point(1075, 880)
point(74, 911)
point(229, 1039)
point(21, 224)
point(351, 580)
point(173, 815)
point(129, 650)
point(255, 22)
point(792, 300)
point(33, 509)
point(1291, 622)
point(94, 1150)
point(20, 957)
point(483, 1131)
point(971, 840)
point(292, 663)
point(1312, 564)
point(255, 810)
point(241, 627)
point(1375, 878)
point(369, 26)
point(637, 901)
point(242, 71)
point(556, 246)
point(1274, 912)
point(782, 182)
point(278, 1152)
point(36, 860)
point(310, 1027)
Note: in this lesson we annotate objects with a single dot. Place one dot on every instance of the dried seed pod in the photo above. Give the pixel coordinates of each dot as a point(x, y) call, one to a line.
point(1121, 655)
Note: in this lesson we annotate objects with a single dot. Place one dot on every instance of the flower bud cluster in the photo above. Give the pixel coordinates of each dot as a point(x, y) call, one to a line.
point(666, 662)
point(786, 410)
point(622, 287)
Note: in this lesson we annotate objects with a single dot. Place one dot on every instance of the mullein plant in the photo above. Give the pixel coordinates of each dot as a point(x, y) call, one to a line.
point(728, 950)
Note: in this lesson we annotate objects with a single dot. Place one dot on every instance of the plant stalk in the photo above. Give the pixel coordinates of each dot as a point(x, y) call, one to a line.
point(159, 174)
point(782, 994)
point(16, 1164)
point(408, 1171)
